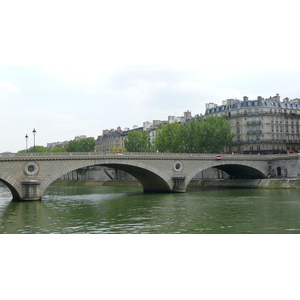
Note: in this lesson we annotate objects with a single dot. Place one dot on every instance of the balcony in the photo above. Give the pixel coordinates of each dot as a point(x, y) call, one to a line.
point(266, 141)
point(253, 131)
point(242, 113)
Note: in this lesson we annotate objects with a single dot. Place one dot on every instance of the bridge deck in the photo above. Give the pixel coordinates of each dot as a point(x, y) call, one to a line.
point(142, 155)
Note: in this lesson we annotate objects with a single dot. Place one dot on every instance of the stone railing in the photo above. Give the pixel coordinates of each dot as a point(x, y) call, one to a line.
point(139, 155)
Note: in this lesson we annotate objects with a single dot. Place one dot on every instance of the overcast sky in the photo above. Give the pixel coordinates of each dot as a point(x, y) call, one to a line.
point(73, 68)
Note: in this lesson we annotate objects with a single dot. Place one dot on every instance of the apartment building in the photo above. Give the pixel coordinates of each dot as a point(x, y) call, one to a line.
point(261, 125)
point(110, 139)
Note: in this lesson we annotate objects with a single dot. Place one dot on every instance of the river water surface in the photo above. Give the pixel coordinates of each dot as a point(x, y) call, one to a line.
point(118, 209)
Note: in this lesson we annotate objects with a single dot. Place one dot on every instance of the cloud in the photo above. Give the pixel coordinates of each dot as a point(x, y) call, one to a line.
point(8, 86)
point(50, 126)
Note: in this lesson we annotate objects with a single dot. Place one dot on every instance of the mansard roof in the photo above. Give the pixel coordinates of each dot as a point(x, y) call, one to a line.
point(111, 136)
point(271, 103)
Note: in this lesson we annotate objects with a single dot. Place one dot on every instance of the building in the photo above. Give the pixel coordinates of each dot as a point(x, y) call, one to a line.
point(110, 139)
point(187, 115)
point(56, 145)
point(261, 125)
point(98, 146)
point(79, 137)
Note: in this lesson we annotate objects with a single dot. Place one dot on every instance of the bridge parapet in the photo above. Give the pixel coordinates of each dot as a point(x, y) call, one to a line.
point(146, 155)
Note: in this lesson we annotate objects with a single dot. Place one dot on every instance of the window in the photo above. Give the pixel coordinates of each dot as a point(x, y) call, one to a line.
point(249, 120)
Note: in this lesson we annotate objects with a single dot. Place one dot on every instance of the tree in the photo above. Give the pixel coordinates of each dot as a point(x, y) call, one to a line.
point(117, 149)
point(137, 141)
point(215, 135)
point(34, 149)
point(82, 145)
point(197, 136)
point(58, 149)
point(168, 138)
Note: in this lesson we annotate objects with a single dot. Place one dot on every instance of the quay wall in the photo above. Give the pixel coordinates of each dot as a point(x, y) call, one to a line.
point(268, 183)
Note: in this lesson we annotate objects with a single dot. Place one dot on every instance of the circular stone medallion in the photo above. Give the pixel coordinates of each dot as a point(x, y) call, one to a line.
point(31, 168)
point(178, 166)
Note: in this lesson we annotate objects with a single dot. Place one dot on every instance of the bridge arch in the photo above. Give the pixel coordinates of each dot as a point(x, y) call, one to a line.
point(235, 170)
point(14, 186)
point(150, 177)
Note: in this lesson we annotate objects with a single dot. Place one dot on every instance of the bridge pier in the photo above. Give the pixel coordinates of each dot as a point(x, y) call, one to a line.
point(179, 185)
point(30, 190)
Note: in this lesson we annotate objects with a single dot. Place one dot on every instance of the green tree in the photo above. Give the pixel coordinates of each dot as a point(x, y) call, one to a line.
point(137, 141)
point(198, 136)
point(168, 138)
point(117, 149)
point(82, 145)
point(34, 149)
point(215, 135)
point(58, 149)
point(190, 137)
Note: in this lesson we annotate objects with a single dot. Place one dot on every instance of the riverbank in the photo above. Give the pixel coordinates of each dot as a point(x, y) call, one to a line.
point(268, 183)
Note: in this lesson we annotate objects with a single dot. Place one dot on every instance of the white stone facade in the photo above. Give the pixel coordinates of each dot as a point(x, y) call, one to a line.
point(261, 125)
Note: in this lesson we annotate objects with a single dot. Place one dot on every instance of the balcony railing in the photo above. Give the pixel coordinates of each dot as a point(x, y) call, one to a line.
point(261, 141)
point(253, 131)
point(242, 113)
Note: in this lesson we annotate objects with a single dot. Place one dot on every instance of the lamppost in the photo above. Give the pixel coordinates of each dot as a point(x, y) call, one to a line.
point(26, 138)
point(34, 133)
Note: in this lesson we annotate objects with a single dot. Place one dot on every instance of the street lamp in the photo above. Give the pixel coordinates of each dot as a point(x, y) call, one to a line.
point(34, 133)
point(26, 138)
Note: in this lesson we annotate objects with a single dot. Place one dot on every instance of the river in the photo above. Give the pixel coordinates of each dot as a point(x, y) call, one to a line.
point(119, 209)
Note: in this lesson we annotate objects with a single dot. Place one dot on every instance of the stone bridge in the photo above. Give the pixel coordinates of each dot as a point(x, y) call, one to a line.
point(28, 175)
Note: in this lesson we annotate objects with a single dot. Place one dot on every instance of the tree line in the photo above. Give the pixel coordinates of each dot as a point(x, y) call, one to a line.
point(210, 136)
point(82, 145)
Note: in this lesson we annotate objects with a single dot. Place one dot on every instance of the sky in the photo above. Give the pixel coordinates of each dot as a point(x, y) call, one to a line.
point(70, 68)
